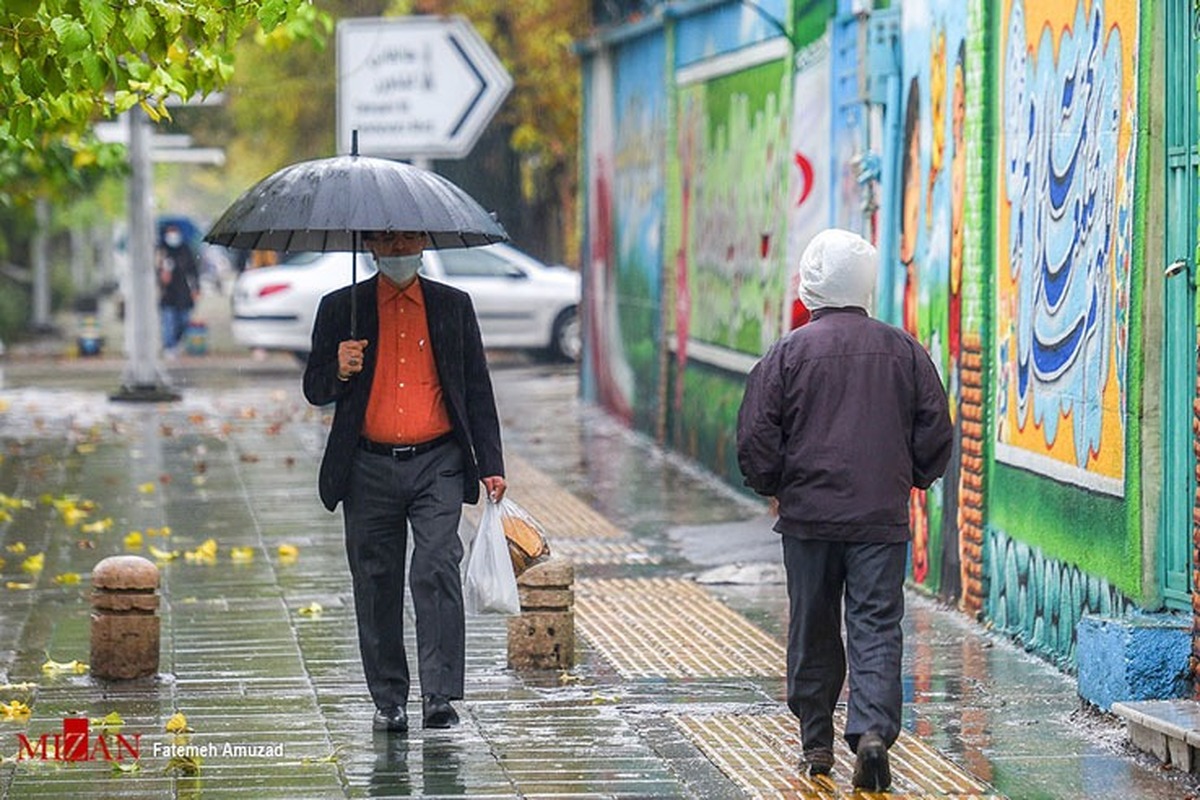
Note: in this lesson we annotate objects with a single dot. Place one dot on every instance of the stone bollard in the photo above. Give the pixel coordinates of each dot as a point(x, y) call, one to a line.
point(543, 636)
point(125, 628)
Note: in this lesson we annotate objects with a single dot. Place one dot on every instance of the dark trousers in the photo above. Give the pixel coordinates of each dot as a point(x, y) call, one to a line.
point(869, 577)
point(386, 497)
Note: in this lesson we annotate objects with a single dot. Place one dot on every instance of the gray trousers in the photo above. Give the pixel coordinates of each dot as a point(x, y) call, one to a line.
point(386, 497)
point(869, 577)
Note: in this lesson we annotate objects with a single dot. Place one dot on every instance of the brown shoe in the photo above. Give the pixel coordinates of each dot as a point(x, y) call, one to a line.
point(871, 769)
point(819, 761)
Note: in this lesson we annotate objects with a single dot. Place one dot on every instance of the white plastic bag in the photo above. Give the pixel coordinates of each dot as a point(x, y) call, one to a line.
point(490, 585)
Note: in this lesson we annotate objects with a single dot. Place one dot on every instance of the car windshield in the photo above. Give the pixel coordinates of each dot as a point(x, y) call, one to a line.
point(300, 259)
point(476, 263)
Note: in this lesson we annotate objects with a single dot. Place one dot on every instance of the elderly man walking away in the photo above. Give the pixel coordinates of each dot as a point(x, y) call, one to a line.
point(414, 433)
point(839, 421)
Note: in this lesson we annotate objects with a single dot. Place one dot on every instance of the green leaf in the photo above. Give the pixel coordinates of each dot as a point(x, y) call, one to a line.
point(31, 78)
point(99, 17)
point(93, 69)
point(271, 13)
point(72, 36)
point(22, 121)
point(139, 27)
point(21, 8)
point(123, 100)
point(10, 62)
point(138, 70)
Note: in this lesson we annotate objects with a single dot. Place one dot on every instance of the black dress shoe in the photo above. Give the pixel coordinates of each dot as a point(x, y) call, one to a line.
point(871, 769)
point(438, 712)
point(819, 761)
point(394, 720)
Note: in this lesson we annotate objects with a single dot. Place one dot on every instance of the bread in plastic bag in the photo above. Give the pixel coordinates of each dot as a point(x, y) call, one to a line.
point(527, 543)
point(490, 586)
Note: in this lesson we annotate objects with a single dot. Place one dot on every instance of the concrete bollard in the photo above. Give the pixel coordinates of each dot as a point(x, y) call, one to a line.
point(543, 636)
point(125, 627)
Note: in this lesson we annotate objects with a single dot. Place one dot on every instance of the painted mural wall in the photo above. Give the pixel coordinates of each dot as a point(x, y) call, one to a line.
point(625, 147)
point(1064, 535)
point(716, 149)
point(929, 274)
point(747, 193)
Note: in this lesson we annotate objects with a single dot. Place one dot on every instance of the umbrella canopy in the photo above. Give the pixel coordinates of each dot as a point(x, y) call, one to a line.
point(321, 205)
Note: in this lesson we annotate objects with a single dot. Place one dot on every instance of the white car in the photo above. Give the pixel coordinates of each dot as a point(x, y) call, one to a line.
point(520, 302)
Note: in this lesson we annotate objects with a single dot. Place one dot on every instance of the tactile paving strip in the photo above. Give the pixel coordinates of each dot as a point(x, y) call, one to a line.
point(581, 552)
point(668, 627)
point(761, 753)
point(560, 512)
point(574, 529)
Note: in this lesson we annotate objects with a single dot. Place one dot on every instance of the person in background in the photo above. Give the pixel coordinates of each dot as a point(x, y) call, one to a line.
point(839, 420)
point(415, 431)
point(179, 287)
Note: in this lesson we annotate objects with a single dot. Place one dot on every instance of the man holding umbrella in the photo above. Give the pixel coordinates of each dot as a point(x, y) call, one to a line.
point(415, 429)
point(414, 432)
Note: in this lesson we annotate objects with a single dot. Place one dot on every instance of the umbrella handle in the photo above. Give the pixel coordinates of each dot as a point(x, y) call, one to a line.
point(354, 287)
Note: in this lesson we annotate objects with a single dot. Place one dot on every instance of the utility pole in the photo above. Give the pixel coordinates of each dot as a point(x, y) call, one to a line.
point(142, 378)
point(41, 267)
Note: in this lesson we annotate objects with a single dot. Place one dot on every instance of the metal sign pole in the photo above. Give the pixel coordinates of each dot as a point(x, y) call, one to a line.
point(142, 378)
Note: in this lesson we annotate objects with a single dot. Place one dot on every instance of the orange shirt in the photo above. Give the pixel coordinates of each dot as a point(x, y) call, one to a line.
point(406, 405)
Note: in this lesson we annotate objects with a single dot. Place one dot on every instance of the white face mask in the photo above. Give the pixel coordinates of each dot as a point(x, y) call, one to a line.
point(173, 239)
point(399, 269)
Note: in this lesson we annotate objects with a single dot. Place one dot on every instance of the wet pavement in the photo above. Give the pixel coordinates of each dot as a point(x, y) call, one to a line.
point(680, 620)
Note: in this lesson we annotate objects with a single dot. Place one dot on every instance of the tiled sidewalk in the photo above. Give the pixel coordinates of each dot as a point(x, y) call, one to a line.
point(260, 652)
point(250, 663)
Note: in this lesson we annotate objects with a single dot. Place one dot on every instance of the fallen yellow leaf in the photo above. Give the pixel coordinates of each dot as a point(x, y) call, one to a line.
point(206, 553)
point(241, 555)
point(99, 526)
point(72, 510)
point(16, 548)
point(52, 667)
point(84, 448)
point(133, 540)
point(34, 564)
point(289, 553)
point(163, 555)
point(177, 723)
point(15, 710)
point(67, 578)
point(146, 488)
point(17, 585)
point(110, 723)
point(8, 501)
point(313, 609)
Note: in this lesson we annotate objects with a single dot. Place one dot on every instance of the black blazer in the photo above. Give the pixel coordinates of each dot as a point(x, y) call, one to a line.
point(461, 367)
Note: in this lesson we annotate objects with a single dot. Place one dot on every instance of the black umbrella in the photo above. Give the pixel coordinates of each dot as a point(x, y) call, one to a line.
point(327, 204)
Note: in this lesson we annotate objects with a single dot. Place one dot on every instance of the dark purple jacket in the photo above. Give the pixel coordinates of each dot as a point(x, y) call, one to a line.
point(840, 419)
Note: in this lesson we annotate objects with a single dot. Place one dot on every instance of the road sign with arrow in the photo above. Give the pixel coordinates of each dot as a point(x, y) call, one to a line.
point(415, 87)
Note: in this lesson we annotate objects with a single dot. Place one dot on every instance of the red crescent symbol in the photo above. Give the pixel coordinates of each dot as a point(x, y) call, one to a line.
point(806, 173)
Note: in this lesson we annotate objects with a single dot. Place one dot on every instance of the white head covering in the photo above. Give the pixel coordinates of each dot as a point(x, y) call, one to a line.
point(838, 269)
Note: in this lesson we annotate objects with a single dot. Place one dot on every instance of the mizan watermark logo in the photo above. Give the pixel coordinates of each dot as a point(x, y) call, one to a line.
point(76, 742)
point(79, 742)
